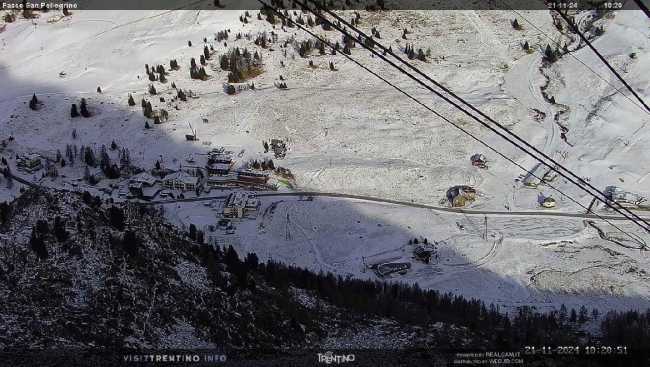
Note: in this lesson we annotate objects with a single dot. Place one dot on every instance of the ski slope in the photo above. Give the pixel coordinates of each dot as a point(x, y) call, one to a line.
point(350, 133)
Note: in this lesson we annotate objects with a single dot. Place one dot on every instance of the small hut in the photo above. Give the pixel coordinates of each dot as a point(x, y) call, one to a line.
point(422, 254)
point(548, 202)
point(461, 195)
point(479, 160)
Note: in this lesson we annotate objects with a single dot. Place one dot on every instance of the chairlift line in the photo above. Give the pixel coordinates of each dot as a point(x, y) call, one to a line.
point(574, 27)
point(555, 166)
point(588, 210)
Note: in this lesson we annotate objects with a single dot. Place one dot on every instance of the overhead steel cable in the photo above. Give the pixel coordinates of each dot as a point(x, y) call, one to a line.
point(575, 29)
point(604, 198)
point(554, 166)
point(642, 6)
point(616, 89)
point(588, 210)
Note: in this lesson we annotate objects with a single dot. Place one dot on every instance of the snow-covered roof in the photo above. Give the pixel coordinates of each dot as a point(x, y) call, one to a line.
point(219, 166)
point(183, 177)
point(144, 178)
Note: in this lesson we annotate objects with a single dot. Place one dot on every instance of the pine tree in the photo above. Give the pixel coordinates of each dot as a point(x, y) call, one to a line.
point(206, 52)
point(421, 56)
point(83, 108)
point(59, 230)
point(192, 231)
point(152, 77)
point(89, 157)
point(33, 103)
point(148, 110)
point(202, 74)
point(548, 54)
point(116, 217)
point(146, 125)
point(130, 243)
point(74, 113)
point(131, 101)
point(516, 25)
point(99, 90)
point(189, 43)
point(162, 78)
point(583, 315)
point(152, 89)
point(181, 95)
point(37, 244)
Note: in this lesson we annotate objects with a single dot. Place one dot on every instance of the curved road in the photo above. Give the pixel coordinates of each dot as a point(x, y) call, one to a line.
point(409, 204)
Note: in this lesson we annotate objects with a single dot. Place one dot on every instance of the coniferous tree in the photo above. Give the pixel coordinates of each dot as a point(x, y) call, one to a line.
point(421, 56)
point(89, 157)
point(549, 55)
point(33, 103)
point(37, 244)
point(152, 89)
point(116, 217)
point(42, 228)
point(83, 108)
point(130, 243)
point(189, 43)
point(74, 113)
point(99, 90)
point(131, 101)
point(181, 95)
point(192, 231)
point(148, 110)
point(59, 230)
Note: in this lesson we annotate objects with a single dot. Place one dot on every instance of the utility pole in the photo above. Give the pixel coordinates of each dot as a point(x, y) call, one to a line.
point(485, 233)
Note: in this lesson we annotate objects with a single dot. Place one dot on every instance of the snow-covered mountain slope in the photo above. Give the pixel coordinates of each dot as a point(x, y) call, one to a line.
point(350, 133)
point(342, 125)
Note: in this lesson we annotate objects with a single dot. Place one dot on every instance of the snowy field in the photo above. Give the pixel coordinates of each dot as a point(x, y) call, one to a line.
point(350, 133)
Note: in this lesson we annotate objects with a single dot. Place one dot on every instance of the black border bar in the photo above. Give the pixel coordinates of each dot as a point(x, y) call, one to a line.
point(375, 5)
